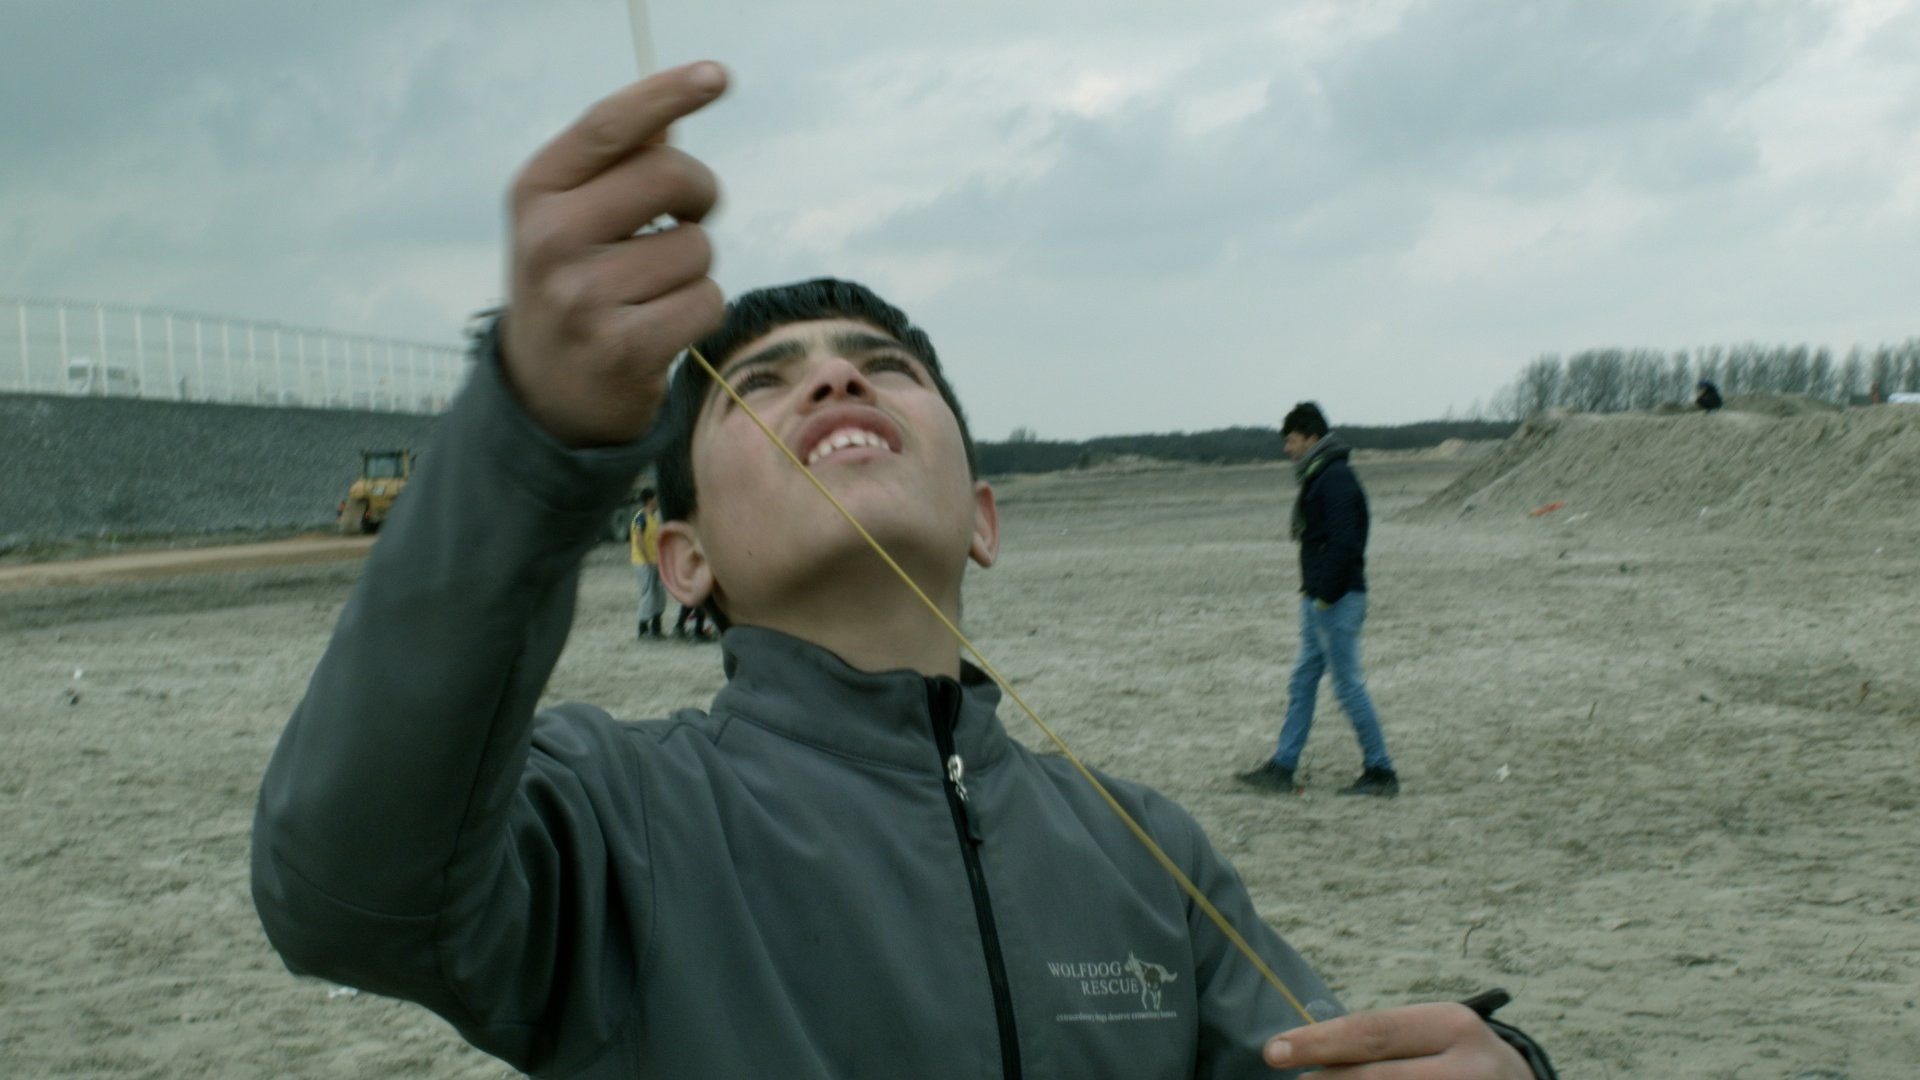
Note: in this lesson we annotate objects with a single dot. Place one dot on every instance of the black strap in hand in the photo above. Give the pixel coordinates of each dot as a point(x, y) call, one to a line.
point(1484, 1004)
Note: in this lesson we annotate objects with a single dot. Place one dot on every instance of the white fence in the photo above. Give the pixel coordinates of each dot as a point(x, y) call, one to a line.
point(65, 347)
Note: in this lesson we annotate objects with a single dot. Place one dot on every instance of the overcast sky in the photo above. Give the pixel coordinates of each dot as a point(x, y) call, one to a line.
point(1112, 216)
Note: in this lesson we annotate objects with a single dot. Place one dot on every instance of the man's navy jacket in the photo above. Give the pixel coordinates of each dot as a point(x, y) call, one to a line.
point(1333, 549)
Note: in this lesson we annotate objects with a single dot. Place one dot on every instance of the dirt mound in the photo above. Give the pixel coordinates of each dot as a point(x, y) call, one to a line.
point(1780, 405)
point(86, 468)
point(1450, 450)
point(1790, 468)
point(1127, 463)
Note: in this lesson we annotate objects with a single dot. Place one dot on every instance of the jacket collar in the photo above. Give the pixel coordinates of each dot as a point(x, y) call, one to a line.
point(803, 692)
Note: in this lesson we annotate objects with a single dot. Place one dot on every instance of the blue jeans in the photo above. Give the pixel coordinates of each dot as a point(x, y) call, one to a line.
point(1331, 638)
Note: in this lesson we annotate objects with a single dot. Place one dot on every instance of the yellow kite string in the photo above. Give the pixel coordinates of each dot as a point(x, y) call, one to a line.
point(1139, 833)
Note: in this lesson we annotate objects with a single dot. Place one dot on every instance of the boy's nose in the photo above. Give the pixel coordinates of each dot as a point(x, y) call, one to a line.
point(837, 378)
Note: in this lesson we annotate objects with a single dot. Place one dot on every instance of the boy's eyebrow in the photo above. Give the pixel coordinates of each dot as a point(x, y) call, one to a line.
point(864, 341)
point(772, 354)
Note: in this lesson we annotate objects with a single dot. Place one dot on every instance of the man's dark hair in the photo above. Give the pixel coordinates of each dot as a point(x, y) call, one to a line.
point(1305, 419)
point(750, 317)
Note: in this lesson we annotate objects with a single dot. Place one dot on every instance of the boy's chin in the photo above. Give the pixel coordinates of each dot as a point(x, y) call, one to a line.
point(877, 506)
point(911, 538)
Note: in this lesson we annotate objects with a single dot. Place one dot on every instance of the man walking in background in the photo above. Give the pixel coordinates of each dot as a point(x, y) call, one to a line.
point(1330, 525)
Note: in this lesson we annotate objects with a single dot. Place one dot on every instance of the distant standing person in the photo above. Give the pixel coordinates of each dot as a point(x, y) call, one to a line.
point(1707, 396)
point(643, 545)
point(1330, 524)
point(692, 624)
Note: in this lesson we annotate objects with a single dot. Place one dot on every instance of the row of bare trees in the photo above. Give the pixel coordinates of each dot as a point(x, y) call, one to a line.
point(1618, 380)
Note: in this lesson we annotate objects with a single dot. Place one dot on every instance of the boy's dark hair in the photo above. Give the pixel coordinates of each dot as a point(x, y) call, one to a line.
point(749, 317)
point(1305, 419)
point(646, 493)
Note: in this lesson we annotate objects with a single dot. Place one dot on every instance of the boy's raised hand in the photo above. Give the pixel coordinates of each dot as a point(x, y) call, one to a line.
point(1439, 1041)
point(596, 313)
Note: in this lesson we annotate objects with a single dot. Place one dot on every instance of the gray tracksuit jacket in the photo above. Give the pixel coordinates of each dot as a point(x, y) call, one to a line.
point(829, 873)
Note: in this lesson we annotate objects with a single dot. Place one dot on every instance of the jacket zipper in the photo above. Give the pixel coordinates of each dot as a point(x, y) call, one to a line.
point(943, 697)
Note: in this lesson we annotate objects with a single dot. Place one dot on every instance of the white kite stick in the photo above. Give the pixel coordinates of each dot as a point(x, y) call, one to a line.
point(642, 36)
point(643, 56)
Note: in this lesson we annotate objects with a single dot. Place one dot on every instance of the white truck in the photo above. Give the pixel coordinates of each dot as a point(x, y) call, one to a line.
point(97, 378)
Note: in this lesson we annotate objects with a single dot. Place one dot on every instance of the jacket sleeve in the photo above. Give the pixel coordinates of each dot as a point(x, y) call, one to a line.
point(1239, 1009)
point(410, 839)
point(1342, 508)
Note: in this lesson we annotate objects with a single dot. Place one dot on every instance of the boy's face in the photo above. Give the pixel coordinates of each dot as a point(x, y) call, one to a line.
point(866, 417)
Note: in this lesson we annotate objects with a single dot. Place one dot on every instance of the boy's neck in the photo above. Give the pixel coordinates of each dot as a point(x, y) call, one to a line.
point(875, 625)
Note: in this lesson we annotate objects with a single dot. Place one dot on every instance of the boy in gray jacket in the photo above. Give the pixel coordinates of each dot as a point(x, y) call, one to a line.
point(844, 867)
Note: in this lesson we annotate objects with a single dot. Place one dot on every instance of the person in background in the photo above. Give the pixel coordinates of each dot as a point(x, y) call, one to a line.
point(1330, 525)
point(643, 546)
point(694, 625)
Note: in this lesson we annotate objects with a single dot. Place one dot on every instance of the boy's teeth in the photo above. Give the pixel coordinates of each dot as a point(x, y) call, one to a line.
point(840, 440)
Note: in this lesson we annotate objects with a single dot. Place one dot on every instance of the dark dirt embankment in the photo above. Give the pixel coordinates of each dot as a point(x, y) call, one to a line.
point(87, 469)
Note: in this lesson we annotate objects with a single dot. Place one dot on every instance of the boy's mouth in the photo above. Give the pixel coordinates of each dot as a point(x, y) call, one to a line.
point(844, 438)
point(847, 429)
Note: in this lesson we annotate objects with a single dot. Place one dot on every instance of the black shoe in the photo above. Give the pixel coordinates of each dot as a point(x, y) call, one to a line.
point(1381, 782)
point(1270, 776)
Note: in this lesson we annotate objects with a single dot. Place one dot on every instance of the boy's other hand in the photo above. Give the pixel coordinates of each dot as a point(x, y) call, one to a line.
point(597, 310)
point(1439, 1041)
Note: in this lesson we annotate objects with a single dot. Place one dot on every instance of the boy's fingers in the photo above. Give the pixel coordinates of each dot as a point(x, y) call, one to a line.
point(668, 322)
point(1386, 1035)
point(618, 126)
point(613, 206)
point(660, 180)
point(632, 272)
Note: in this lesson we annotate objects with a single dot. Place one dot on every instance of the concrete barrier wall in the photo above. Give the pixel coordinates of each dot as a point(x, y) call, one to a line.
point(87, 467)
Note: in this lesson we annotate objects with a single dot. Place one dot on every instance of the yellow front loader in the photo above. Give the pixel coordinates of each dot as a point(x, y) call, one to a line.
point(383, 475)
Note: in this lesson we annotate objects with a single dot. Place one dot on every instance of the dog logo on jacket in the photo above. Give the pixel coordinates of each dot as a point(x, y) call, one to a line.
point(1152, 977)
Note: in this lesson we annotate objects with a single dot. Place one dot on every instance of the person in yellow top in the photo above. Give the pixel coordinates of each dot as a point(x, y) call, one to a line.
point(643, 547)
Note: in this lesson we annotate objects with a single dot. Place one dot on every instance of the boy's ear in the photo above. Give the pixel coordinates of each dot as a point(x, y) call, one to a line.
point(986, 525)
point(683, 564)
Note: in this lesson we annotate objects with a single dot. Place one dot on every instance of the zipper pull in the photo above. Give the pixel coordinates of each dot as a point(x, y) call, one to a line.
point(957, 776)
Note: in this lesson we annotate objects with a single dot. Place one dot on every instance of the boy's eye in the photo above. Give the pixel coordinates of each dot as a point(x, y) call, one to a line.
point(890, 362)
point(755, 380)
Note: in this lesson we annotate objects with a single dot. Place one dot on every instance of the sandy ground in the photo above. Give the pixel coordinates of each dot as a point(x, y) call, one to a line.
point(165, 563)
point(1659, 781)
